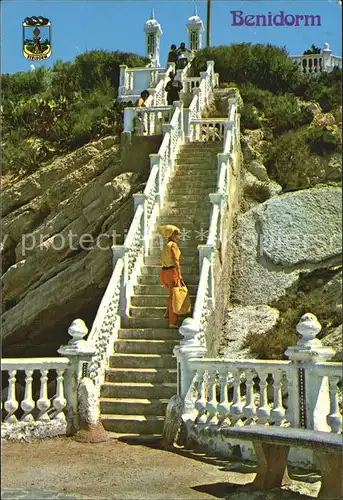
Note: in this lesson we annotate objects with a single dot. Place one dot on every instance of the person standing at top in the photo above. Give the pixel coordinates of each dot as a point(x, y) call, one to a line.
point(140, 103)
point(170, 274)
point(173, 89)
point(173, 56)
point(183, 54)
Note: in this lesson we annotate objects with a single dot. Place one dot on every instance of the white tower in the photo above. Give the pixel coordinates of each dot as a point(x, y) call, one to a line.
point(195, 29)
point(153, 33)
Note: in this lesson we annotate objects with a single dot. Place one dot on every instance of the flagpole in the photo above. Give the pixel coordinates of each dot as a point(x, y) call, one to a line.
point(208, 24)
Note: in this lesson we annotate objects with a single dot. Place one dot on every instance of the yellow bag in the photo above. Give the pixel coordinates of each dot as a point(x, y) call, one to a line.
point(181, 301)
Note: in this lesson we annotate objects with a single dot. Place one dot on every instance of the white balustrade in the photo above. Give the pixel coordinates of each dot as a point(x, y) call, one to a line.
point(46, 368)
point(313, 64)
point(265, 392)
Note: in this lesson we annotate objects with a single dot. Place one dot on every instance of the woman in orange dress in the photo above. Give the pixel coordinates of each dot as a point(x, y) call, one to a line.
point(170, 261)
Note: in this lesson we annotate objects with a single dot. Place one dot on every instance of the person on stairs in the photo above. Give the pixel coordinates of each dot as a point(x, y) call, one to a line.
point(173, 55)
point(170, 275)
point(173, 89)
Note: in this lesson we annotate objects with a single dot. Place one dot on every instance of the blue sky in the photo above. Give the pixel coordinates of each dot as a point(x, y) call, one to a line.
point(79, 25)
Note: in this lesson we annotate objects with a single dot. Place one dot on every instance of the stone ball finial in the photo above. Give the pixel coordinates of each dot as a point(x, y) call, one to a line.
point(77, 330)
point(326, 46)
point(308, 326)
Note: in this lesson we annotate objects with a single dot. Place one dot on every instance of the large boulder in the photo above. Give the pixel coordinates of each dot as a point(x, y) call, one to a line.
point(278, 239)
point(242, 321)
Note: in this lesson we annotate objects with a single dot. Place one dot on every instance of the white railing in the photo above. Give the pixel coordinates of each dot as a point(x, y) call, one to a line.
point(325, 61)
point(302, 392)
point(190, 83)
point(35, 404)
point(209, 129)
point(147, 120)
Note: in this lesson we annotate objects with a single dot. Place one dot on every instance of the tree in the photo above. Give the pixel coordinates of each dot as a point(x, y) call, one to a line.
point(312, 50)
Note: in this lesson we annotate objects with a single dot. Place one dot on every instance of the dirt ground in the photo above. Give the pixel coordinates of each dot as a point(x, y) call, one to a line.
point(60, 467)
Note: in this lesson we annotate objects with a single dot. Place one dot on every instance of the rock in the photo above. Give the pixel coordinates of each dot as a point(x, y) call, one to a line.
point(251, 143)
point(313, 107)
point(278, 239)
point(172, 421)
point(59, 225)
point(334, 340)
point(258, 170)
point(240, 322)
point(323, 119)
point(334, 168)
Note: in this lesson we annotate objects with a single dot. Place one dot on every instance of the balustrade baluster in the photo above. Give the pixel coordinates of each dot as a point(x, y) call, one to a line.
point(223, 408)
point(249, 410)
point(43, 403)
point(237, 404)
point(334, 419)
point(11, 405)
point(200, 404)
point(28, 404)
point(278, 412)
point(59, 402)
point(212, 403)
point(263, 411)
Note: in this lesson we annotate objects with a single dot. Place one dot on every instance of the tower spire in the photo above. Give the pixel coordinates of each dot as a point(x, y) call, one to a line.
point(152, 14)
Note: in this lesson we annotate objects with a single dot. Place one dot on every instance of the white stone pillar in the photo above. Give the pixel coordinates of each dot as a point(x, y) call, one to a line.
point(79, 352)
point(122, 80)
point(190, 347)
point(313, 391)
point(326, 53)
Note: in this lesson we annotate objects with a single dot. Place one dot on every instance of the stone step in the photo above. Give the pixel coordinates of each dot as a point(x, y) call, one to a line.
point(200, 163)
point(155, 260)
point(183, 201)
point(159, 290)
point(146, 322)
point(144, 346)
point(152, 300)
point(133, 424)
point(149, 333)
point(196, 190)
point(155, 270)
point(182, 222)
point(184, 174)
point(128, 361)
point(187, 181)
point(191, 251)
point(124, 406)
point(202, 145)
point(137, 390)
point(150, 375)
point(180, 212)
point(150, 279)
point(148, 312)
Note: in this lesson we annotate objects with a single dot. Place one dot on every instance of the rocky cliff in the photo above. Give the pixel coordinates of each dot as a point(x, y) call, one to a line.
point(286, 254)
point(58, 227)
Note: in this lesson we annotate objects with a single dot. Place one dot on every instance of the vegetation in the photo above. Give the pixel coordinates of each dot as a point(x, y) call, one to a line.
point(48, 112)
point(312, 50)
point(265, 66)
point(307, 295)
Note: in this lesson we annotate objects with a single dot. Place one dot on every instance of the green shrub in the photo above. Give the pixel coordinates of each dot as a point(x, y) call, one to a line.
point(290, 163)
point(285, 114)
point(249, 118)
point(325, 88)
point(259, 98)
point(322, 141)
point(266, 66)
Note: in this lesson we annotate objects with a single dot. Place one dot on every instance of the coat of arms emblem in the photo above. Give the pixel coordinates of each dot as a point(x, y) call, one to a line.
point(36, 38)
